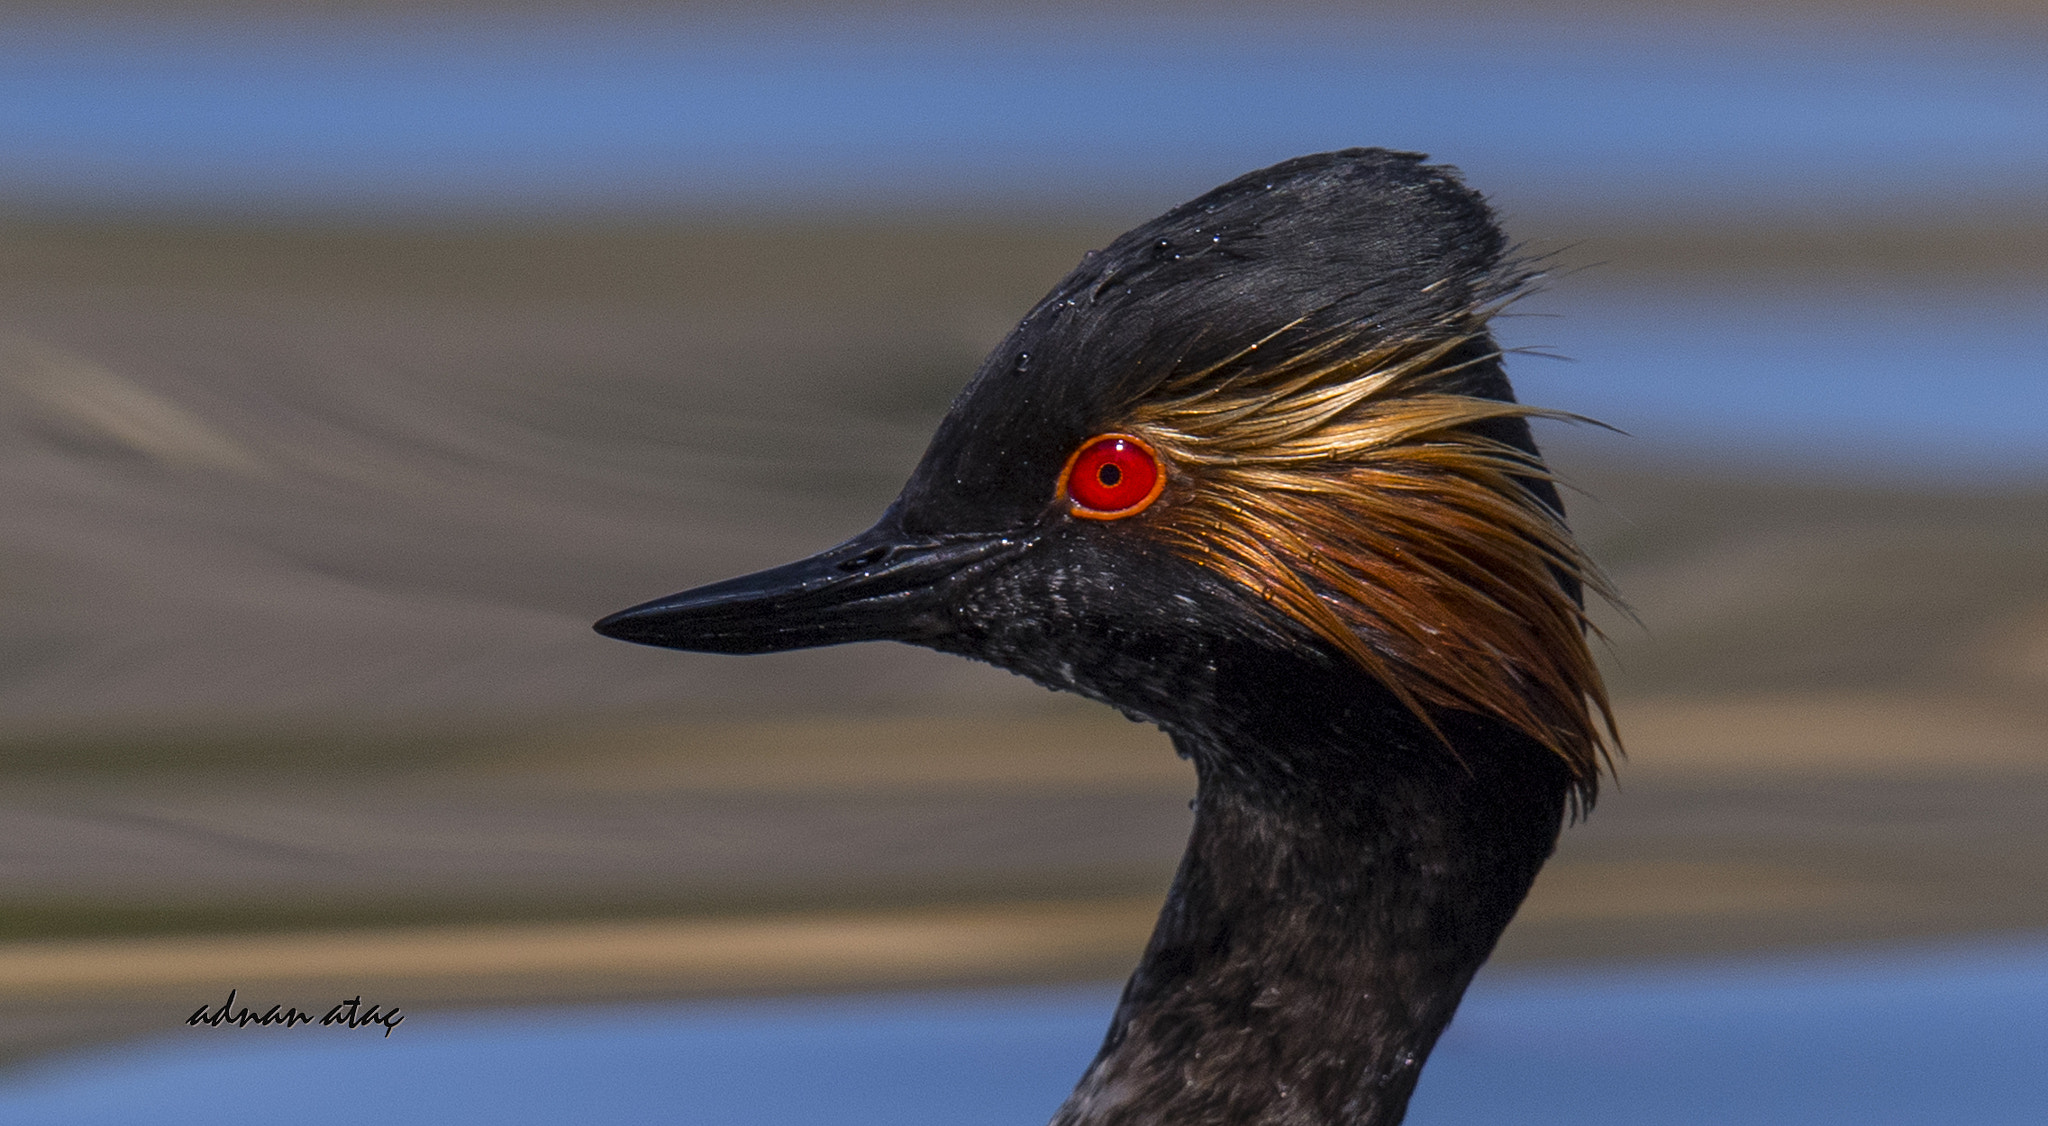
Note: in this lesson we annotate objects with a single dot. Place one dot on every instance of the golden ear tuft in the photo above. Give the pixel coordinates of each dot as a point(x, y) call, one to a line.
point(1348, 488)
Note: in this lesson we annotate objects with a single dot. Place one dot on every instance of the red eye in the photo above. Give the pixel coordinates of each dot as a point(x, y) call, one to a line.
point(1112, 476)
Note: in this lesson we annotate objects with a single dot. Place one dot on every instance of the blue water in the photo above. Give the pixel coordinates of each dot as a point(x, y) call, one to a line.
point(1940, 1037)
point(371, 116)
point(1906, 384)
point(1615, 120)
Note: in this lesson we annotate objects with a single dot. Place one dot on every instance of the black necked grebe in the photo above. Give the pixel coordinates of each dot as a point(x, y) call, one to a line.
point(1254, 474)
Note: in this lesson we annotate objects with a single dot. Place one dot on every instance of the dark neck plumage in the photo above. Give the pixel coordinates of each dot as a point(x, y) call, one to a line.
point(1325, 921)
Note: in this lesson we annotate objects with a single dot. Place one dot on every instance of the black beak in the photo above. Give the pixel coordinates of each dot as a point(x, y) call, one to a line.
point(878, 586)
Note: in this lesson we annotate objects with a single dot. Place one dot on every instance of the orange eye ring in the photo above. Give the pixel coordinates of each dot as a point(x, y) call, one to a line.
point(1111, 476)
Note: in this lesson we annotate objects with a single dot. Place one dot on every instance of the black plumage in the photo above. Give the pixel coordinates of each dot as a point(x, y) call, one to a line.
point(1353, 606)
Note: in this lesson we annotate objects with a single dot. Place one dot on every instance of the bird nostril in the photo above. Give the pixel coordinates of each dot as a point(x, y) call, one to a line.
point(865, 559)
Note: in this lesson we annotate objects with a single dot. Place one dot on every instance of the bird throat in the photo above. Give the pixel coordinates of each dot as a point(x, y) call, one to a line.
point(1319, 935)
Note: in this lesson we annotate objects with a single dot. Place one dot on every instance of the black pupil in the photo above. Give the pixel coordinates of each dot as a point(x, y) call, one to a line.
point(1109, 475)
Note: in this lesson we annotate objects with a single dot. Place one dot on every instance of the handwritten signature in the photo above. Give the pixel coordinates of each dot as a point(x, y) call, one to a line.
point(350, 1013)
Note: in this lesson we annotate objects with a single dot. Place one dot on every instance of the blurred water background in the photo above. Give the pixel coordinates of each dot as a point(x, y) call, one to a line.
point(353, 359)
point(1773, 1041)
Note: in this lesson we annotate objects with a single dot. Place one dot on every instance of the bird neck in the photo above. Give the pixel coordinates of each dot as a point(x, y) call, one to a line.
point(1321, 930)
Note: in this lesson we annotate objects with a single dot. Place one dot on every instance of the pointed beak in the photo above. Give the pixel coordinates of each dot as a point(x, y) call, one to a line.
point(878, 586)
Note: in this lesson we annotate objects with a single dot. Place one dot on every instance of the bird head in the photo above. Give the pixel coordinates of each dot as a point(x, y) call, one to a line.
point(1265, 439)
